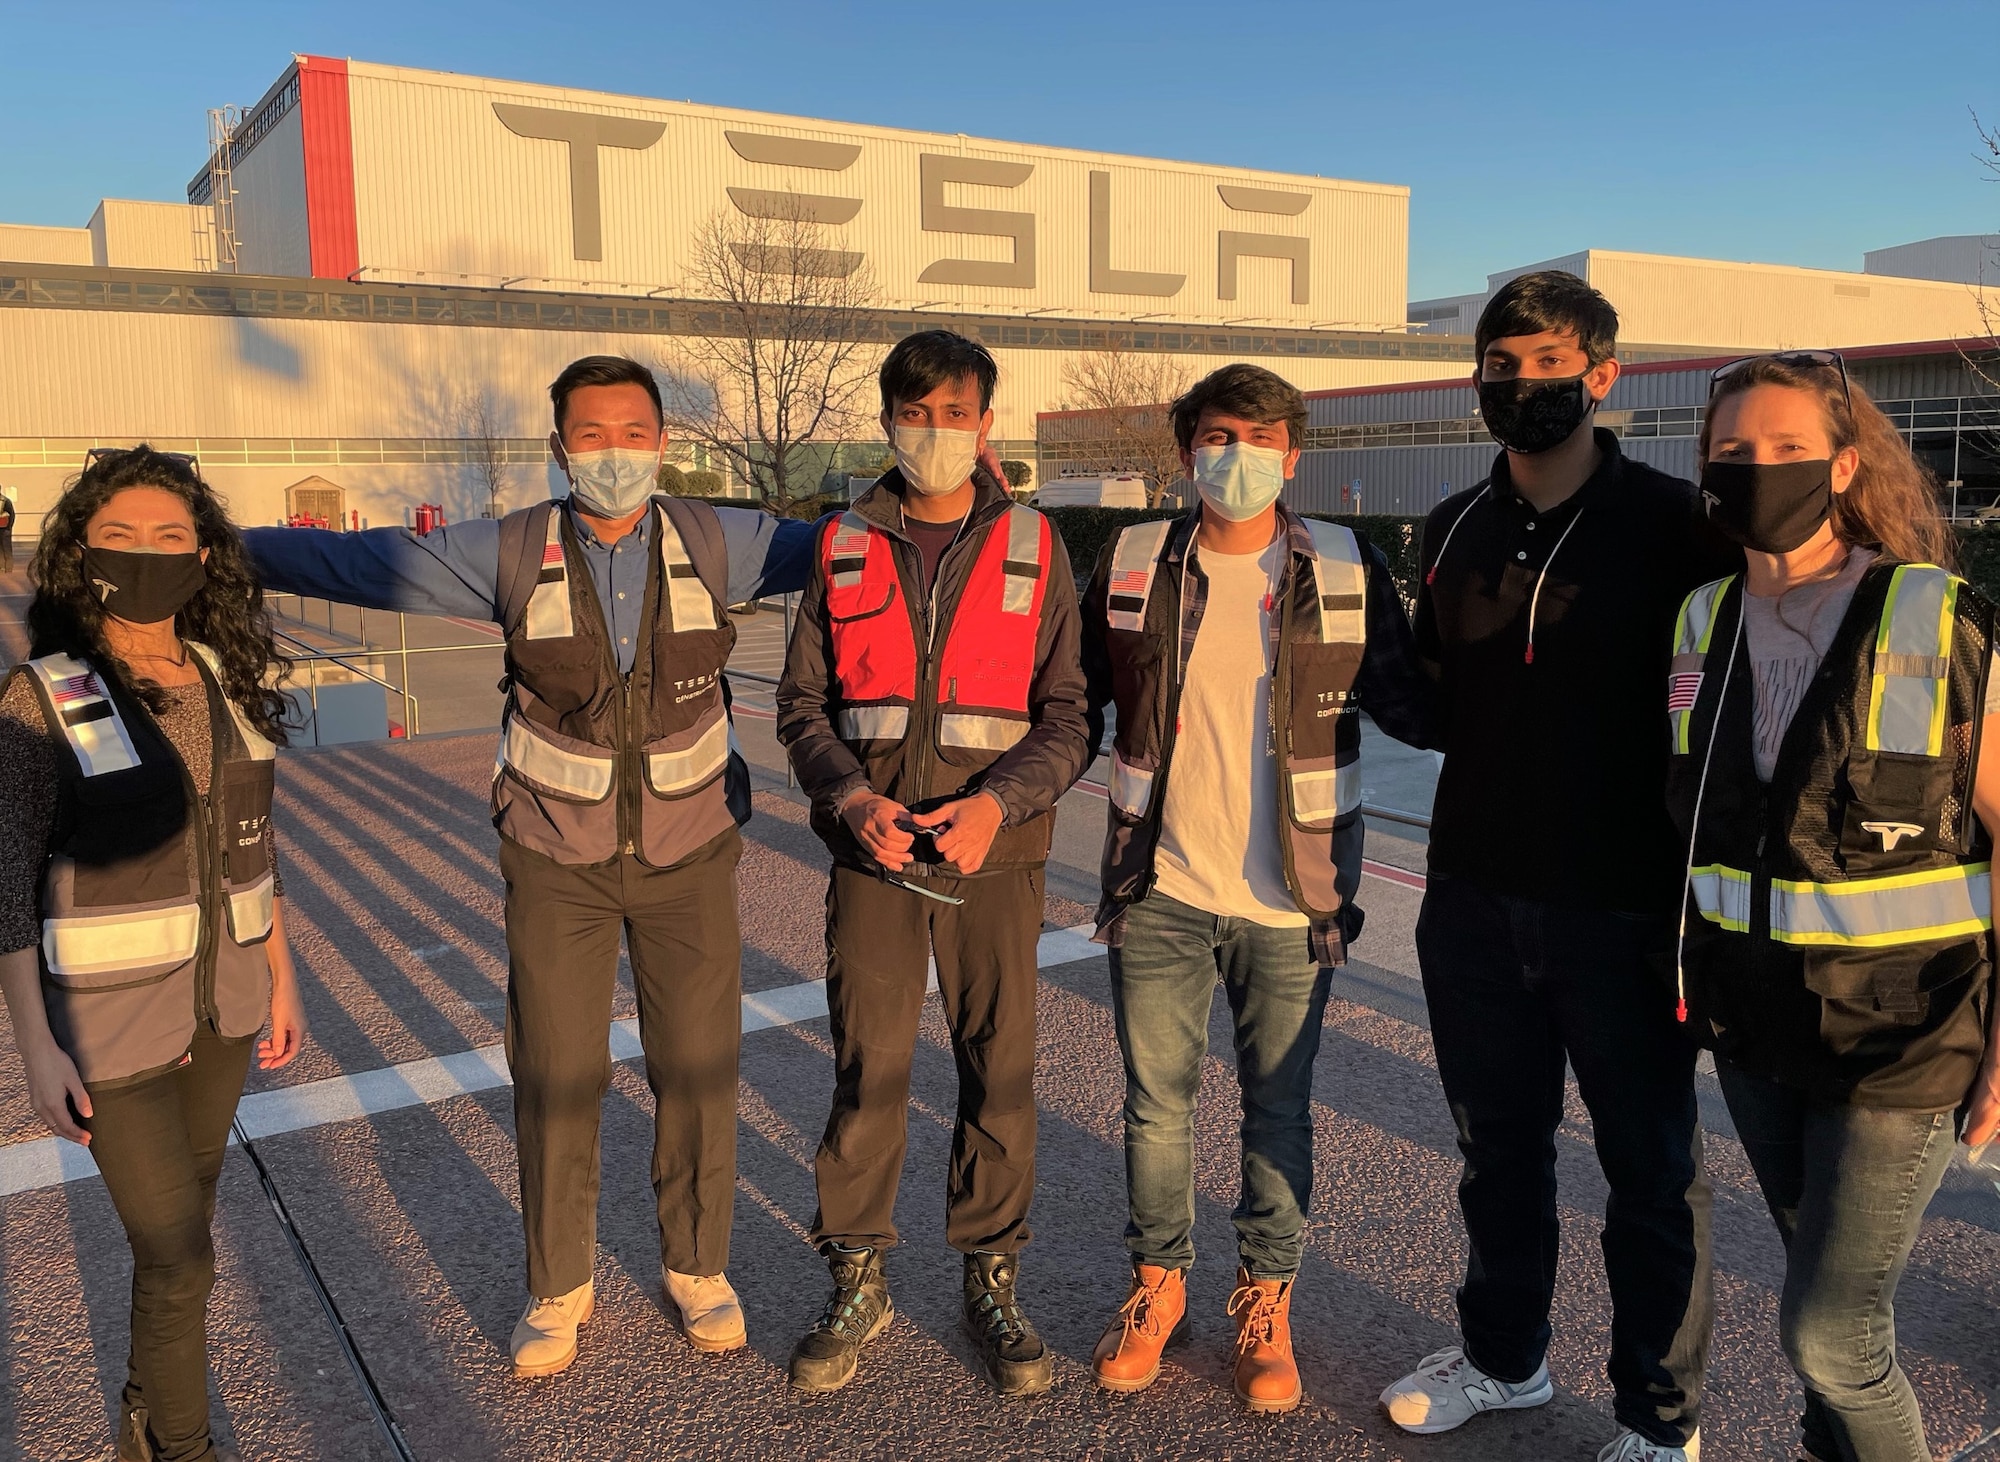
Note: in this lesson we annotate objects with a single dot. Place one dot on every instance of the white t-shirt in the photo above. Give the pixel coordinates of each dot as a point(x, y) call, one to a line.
point(1219, 849)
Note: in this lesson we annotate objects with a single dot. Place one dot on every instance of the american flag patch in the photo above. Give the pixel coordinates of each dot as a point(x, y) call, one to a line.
point(1129, 582)
point(1682, 690)
point(75, 688)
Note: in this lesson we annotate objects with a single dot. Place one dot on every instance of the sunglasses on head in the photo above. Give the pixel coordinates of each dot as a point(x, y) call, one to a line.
point(94, 455)
point(1826, 360)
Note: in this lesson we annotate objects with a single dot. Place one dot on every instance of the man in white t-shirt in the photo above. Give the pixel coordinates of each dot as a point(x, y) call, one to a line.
point(1239, 644)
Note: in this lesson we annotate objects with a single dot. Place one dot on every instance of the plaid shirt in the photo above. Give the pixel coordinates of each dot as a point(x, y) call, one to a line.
point(1391, 686)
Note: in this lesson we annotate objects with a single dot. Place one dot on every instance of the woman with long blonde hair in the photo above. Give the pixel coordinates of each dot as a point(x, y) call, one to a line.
point(1836, 777)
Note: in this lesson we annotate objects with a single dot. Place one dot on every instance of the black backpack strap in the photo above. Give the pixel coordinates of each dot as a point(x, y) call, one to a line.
point(523, 534)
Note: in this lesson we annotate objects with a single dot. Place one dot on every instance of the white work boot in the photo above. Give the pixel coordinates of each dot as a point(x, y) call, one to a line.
point(1629, 1446)
point(545, 1338)
point(707, 1308)
point(1446, 1390)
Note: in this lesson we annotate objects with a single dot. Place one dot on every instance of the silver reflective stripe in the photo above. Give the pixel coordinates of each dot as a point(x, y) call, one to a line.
point(1906, 696)
point(94, 944)
point(260, 746)
point(584, 777)
point(1325, 793)
point(1908, 908)
point(676, 771)
point(88, 718)
point(1342, 579)
point(1132, 564)
point(250, 911)
point(688, 599)
point(1131, 787)
point(1723, 895)
point(874, 723)
point(979, 733)
point(850, 544)
point(548, 615)
point(1024, 548)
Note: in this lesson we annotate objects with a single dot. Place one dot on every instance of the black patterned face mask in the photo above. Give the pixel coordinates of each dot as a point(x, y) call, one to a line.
point(1533, 414)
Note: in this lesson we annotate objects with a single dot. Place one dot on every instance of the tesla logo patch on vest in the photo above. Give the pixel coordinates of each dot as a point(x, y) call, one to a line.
point(1892, 833)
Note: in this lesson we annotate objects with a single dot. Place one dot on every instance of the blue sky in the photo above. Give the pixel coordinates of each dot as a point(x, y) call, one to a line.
point(1778, 130)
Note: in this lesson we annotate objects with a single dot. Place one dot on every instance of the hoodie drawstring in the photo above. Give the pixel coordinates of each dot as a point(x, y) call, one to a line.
point(1535, 601)
point(1431, 577)
point(1694, 823)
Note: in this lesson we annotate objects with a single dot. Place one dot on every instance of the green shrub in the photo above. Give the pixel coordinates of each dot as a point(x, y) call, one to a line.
point(701, 483)
point(1019, 474)
point(672, 480)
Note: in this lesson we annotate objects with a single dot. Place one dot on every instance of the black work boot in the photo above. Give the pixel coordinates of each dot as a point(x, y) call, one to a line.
point(1016, 1360)
point(859, 1308)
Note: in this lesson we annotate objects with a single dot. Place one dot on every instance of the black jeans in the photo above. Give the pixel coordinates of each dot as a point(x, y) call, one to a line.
point(679, 925)
point(159, 1144)
point(1516, 988)
point(1848, 1187)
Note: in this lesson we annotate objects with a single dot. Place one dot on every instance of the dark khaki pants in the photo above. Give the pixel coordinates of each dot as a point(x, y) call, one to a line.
point(879, 938)
point(679, 924)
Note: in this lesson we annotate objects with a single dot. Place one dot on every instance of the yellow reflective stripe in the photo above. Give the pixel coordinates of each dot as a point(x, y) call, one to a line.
point(252, 911)
point(585, 777)
point(979, 733)
point(1339, 574)
point(689, 603)
point(548, 616)
point(1907, 692)
point(1131, 787)
point(1722, 894)
point(1326, 792)
point(1694, 629)
point(95, 944)
point(1871, 913)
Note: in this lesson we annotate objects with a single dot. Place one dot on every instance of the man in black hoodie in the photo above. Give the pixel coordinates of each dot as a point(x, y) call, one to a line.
point(1546, 609)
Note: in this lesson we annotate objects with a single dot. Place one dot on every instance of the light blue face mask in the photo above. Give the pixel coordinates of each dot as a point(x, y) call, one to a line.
point(1239, 481)
point(613, 482)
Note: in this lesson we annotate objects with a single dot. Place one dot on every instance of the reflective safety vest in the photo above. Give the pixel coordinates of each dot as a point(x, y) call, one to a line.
point(156, 902)
point(1322, 637)
point(592, 762)
point(929, 719)
point(1838, 919)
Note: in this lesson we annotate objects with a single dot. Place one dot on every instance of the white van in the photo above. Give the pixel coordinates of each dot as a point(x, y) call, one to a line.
point(1127, 491)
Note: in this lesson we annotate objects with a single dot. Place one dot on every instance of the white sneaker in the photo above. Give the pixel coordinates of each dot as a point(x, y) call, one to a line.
point(1629, 1446)
point(545, 1338)
point(706, 1305)
point(1446, 1390)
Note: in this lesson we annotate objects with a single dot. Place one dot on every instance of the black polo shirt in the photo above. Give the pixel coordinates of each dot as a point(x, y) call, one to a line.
point(1554, 777)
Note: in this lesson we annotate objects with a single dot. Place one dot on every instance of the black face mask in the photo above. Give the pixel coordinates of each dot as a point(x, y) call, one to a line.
point(142, 588)
point(1772, 507)
point(1533, 414)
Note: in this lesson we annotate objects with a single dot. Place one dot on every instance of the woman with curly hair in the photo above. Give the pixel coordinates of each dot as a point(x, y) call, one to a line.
point(142, 942)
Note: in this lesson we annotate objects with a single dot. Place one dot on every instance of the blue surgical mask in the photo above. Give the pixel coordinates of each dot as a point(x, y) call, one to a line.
point(1239, 481)
point(613, 482)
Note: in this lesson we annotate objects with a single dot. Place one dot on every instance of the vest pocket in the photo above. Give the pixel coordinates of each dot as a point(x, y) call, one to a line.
point(977, 738)
point(1130, 787)
point(685, 762)
point(252, 910)
point(862, 601)
point(554, 765)
point(1318, 793)
point(134, 946)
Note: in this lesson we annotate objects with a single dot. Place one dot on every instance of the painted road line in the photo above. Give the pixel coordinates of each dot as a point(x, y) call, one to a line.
point(1387, 872)
point(49, 1162)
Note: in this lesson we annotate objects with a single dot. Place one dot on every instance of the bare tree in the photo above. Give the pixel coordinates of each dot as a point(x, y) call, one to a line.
point(1985, 363)
point(485, 449)
point(1128, 430)
point(779, 371)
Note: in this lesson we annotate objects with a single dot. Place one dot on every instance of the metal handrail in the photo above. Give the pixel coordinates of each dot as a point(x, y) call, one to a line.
point(411, 709)
point(1396, 814)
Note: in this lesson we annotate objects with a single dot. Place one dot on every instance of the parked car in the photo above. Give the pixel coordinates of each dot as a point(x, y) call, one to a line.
point(1127, 491)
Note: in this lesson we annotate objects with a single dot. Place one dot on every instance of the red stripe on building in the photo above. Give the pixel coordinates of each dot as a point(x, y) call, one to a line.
point(329, 147)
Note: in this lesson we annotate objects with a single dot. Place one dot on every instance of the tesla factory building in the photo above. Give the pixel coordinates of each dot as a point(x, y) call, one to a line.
point(377, 247)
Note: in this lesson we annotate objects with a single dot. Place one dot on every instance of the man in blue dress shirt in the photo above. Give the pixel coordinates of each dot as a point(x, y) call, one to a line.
point(618, 795)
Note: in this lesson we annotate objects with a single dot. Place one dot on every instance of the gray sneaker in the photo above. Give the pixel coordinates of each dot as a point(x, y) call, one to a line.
point(1446, 1391)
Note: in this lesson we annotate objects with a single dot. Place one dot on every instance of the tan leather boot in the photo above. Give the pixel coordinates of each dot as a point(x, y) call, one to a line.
point(545, 1337)
point(710, 1315)
point(1267, 1378)
point(1153, 1317)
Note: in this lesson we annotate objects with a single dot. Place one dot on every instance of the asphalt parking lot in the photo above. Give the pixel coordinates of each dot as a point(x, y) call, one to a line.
point(391, 1140)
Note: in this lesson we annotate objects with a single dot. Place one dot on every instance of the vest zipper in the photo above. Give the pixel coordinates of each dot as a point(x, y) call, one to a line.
point(628, 810)
point(927, 700)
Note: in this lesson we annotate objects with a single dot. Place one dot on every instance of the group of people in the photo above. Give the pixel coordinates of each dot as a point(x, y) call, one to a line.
point(1713, 776)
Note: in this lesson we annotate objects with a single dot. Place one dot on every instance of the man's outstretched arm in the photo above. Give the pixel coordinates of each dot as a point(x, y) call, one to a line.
point(452, 570)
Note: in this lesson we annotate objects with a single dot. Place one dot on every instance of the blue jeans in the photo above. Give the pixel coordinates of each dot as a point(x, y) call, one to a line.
point(1518, 989)
point(1848, 1187)
point(1162, 984)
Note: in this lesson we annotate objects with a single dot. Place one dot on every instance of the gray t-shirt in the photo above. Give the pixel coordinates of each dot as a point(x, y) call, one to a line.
point(1789, 634)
